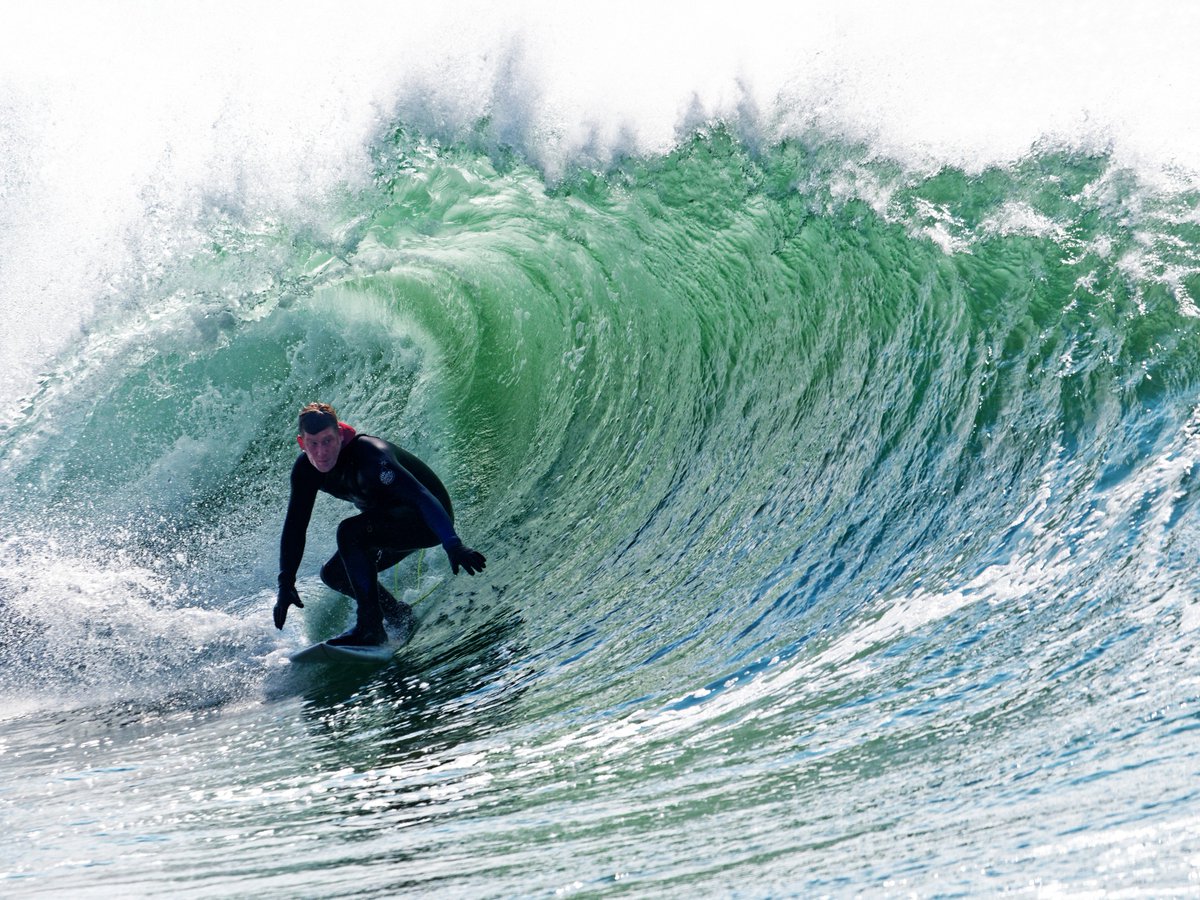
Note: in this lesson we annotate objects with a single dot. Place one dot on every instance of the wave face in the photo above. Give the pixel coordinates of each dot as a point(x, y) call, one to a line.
point(839, 523)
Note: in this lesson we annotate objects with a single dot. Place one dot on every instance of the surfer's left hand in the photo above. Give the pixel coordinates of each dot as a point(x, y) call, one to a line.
point(466, 558)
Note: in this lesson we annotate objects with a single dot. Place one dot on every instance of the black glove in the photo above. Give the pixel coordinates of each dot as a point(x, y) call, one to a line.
point(287, 597)
point(464, 557)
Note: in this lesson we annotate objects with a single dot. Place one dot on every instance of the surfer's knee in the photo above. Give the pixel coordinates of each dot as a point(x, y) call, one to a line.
point(351, 533)
point(333, 574)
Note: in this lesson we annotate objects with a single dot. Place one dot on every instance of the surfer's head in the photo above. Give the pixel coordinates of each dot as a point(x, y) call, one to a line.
point(319, 435)
point(316, 417)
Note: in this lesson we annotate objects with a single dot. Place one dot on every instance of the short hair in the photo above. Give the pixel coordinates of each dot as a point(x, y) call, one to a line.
point(316, 417)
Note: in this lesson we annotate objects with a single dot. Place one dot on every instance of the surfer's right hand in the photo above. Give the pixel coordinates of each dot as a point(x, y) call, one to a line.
point(287, 597)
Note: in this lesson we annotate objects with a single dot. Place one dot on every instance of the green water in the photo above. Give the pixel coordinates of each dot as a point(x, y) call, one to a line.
point(838, 517)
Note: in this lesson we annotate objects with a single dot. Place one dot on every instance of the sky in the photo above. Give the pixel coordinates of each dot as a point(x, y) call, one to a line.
point(114, 112)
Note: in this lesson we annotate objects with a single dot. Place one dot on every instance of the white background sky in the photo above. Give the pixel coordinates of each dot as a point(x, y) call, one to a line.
point(106, 107)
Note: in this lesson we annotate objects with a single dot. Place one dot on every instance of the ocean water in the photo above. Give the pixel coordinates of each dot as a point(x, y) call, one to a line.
point(839, 509)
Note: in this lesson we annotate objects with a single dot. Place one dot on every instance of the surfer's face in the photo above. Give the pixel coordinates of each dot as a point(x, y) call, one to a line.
point(322, 448)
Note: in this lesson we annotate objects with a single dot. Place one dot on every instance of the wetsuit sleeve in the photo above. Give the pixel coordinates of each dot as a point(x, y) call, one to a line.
point(295, 523)
point(397, 486)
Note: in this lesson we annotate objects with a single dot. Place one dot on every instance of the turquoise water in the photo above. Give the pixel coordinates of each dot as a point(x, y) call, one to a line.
point(839, 521)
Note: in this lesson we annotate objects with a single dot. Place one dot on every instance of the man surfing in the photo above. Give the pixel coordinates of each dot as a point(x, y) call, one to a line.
point(403, 507)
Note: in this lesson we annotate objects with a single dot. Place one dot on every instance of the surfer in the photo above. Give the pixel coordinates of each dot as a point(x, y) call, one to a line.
point(403, 507)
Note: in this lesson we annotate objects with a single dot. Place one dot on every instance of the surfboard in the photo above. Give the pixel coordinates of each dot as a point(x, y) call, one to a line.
point(400, 632)
point(336, 653)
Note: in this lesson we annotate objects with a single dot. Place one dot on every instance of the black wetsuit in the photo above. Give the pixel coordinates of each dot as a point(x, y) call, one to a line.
point(403, 507)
